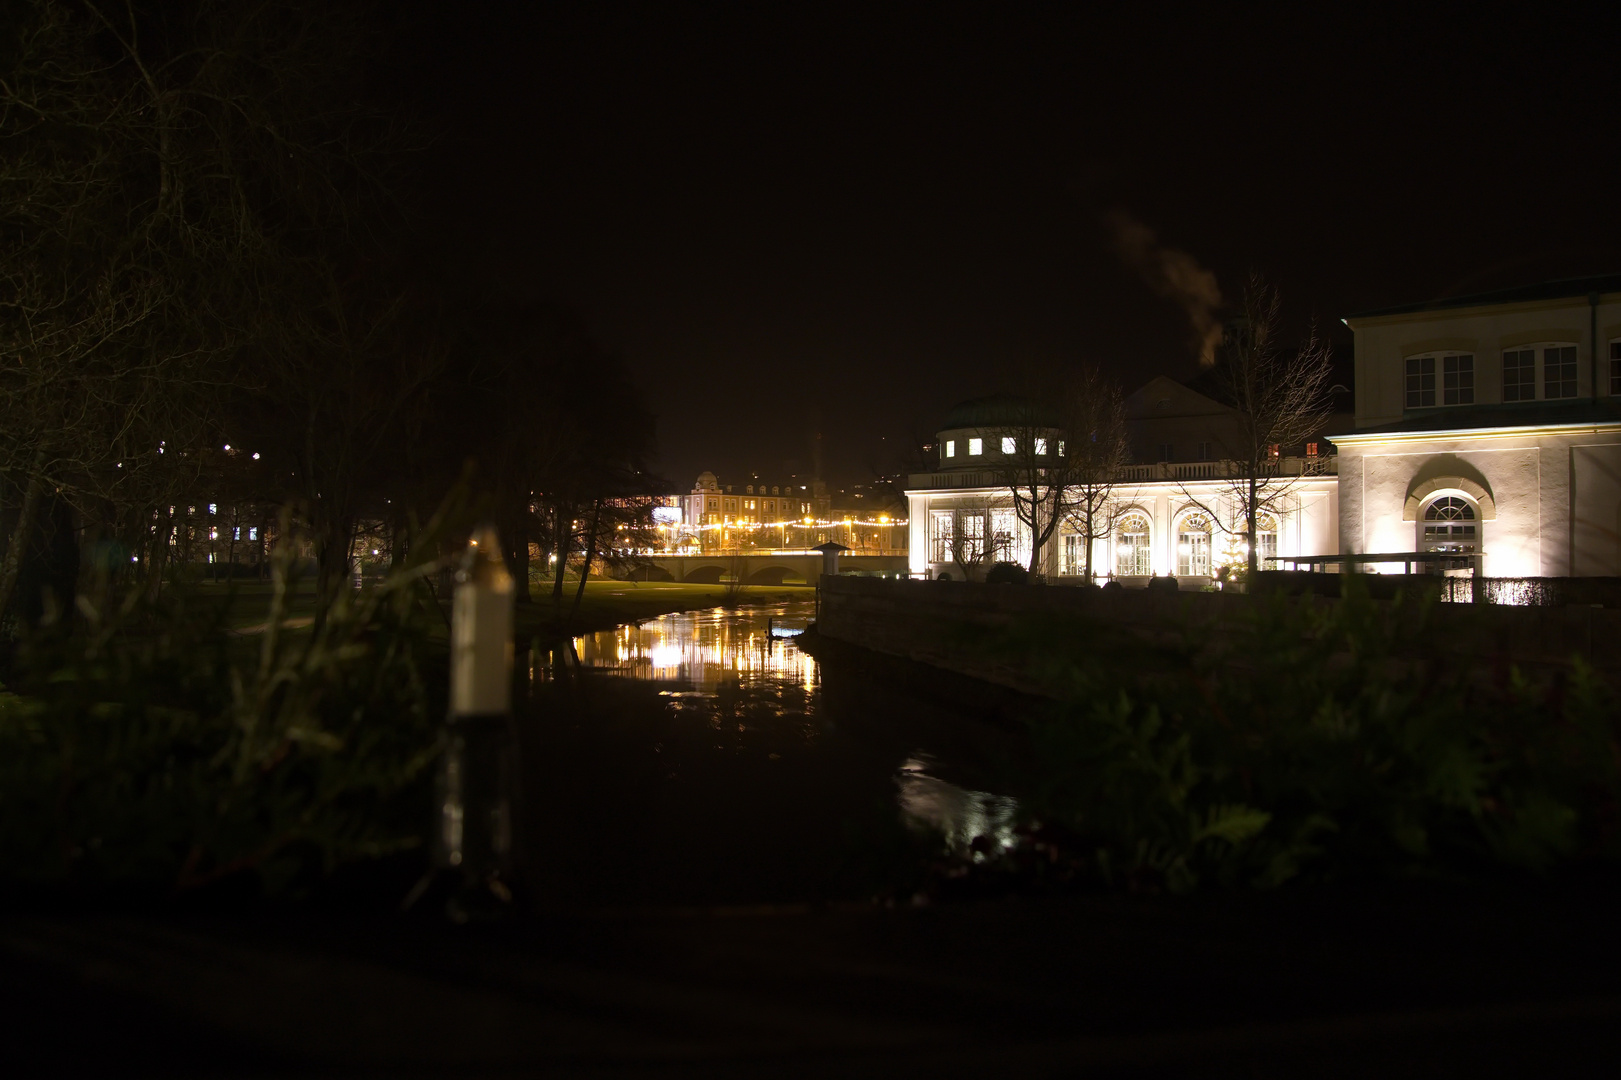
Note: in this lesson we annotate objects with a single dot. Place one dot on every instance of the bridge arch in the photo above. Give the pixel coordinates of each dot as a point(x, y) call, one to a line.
point(704, 575)
point(775, 575)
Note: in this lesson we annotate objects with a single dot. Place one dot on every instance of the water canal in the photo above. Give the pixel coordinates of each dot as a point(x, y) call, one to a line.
point(698, 759)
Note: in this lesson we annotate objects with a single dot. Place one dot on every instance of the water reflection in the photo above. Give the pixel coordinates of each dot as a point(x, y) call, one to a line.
point(957, 814)
point(703, 650)
point(699, 758)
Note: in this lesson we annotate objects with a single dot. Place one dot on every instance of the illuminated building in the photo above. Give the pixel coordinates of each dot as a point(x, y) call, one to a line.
point(1173, 509)
point(1490, 425)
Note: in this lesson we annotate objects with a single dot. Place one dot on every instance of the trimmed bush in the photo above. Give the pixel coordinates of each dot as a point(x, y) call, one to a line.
point(1006, 573)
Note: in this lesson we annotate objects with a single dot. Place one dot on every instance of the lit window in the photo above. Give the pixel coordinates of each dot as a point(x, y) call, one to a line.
point(1041, 447)
point(1458, 380)
point(1559, 372)
point(1420, 382)
point(236, 532)
point(976, 447)
point(1450, 525)
point(1274, 451)
point(1131, 546)
point(253, 532)
point(212, 508)
point(1520, 375)
point(951, 448)
point(1060, 447)
point(1007, 444)
point(1193, 546)
point(1266, 541)
point(1311, 449)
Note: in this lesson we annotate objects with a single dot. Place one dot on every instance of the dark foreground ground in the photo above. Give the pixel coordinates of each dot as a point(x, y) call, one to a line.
point(1406, 979)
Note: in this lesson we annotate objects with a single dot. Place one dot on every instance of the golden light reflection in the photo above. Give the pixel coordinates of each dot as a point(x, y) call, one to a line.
point(706, 650)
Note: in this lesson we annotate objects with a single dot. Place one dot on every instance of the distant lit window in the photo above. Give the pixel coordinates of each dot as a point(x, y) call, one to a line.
point(1520, 375)
point(1041, 447)
point(1559, 371)
point(253, 532)
point(1007, 444)
point(1311, 449)
point(213, 508)
point(1458, 380)
point(951, 448)
point(1274, 451)
point(1060, 447)
point(1420, 382)
point(976, 447)
point(236, 532)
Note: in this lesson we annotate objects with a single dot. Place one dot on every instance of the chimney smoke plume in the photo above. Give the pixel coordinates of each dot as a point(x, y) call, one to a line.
point(1173, 274)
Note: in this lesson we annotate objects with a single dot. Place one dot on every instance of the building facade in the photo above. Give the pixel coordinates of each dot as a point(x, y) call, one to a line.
point(1490, 425)
point(1176, 511)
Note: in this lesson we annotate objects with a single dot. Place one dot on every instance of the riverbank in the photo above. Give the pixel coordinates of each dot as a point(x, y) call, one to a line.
point(604, 605)
point(608, 604)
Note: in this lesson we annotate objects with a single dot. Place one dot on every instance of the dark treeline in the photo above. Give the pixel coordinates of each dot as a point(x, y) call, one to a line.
point(216, 319)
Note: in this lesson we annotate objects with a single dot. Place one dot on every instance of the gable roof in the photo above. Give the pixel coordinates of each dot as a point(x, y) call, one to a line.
point(1544, 290)
point(1164, 397)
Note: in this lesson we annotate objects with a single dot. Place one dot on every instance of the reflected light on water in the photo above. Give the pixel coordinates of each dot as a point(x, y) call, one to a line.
point(959, 814)
point(703, 649)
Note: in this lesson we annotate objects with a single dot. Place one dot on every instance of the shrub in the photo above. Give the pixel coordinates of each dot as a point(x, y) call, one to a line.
point(1006, 573)
point(1163, 584)
point(1317, 739)
point(148, 749)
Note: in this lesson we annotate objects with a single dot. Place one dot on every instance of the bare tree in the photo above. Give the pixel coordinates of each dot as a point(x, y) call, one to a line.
point(965, 536)
point(1282, 396)
point(1097, 450)
point(1029, 454)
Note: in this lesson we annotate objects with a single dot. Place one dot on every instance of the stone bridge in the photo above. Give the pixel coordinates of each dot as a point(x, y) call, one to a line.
point(758, 568)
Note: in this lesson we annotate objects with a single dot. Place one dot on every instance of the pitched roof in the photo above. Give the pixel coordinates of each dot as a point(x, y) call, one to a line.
point(1544, 290)
point(1163, 396)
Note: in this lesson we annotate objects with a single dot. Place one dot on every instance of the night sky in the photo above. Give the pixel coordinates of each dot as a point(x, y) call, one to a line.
point(798, 217)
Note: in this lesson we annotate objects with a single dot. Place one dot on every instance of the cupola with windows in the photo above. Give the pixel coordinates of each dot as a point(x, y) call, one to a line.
point(986, 430)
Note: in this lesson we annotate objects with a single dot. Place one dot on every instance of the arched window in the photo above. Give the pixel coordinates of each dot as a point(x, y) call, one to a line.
point(1450, 524)
point(1132, 553)
point(1266, 541)
point(1193, 546)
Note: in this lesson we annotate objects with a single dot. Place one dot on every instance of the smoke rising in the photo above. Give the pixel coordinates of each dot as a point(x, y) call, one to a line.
point(1173, 274)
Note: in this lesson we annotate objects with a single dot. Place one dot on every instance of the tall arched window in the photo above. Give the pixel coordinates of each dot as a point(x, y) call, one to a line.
point(1193, 546)
point(1132, 551)
point(1266, 541)
point(1450, 524)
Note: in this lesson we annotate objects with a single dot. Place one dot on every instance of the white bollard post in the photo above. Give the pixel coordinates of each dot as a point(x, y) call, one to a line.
point(478, 775)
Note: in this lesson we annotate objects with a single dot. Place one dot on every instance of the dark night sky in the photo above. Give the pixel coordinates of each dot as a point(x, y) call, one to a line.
point(792, 215)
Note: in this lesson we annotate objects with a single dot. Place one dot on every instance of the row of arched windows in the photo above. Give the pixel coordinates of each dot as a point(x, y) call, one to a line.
point(1195, 539)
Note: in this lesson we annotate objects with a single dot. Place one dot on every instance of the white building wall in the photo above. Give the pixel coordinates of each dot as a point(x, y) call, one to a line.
point(1529, 477)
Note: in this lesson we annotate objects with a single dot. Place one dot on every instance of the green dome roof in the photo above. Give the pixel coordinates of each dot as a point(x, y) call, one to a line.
point(996, 410)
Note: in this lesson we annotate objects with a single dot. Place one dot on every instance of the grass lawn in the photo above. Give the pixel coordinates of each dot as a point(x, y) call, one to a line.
point(610, 603)
point(605, 604)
